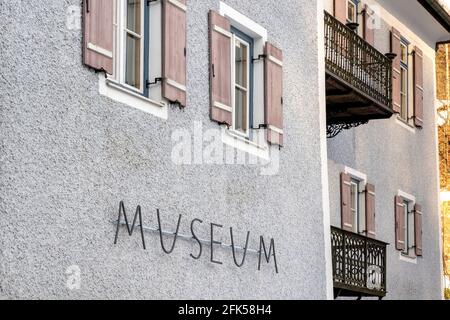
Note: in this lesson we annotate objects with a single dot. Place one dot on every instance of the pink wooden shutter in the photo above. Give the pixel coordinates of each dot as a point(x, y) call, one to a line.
point(174, 51)
point(273, 94)
point(346, 212)
point(418, 229)
point(399, 223)
point(98, 34)
point(418, 87)
point(369, 32)
point(220, 68)
point(340, 10)
point(396, 75)
point(370, 211)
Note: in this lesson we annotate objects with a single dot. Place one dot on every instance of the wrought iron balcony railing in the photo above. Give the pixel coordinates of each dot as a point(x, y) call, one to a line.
point(353, 60)
point(359, 264)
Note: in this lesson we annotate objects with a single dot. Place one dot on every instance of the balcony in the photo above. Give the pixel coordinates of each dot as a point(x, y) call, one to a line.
point(359, 265)
point(358, 78)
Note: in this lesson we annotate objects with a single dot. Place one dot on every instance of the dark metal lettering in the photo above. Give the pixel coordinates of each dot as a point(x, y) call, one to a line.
point(196, 239)
point(213, 242)
point(262, 247)
point(233, 249)
point(161, 233)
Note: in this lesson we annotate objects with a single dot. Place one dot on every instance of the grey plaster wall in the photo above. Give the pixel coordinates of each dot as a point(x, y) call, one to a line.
point(395, 158)
point(68, 155)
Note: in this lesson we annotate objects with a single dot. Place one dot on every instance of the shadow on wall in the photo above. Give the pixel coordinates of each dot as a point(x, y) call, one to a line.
point(342, 148)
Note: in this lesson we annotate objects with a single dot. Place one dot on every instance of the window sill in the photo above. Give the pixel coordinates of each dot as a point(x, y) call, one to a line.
point(119, 93)
point(407, 258)
point(236, 140)
point(405, 124)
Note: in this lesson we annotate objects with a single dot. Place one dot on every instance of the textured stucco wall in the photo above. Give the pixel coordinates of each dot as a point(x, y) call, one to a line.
point(395, 158)
point(68, 155)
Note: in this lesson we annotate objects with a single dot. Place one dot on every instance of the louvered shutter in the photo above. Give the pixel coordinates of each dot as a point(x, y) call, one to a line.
point(396, 74)
point(418, 229)
point(174, 51)
point(369, 31)
point(418, 87)
point(346, 212)
point(98, 34)
point(340, 10)
point(370, 211)
point(220, 68)
point(399, 223)
point(273, 93)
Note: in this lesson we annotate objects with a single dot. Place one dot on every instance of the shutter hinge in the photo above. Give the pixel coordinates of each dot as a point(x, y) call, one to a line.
point(185, 51)
point(87, 6)
point(260, 126)
point(282, 100)
point(260, 57)
point(148, 83)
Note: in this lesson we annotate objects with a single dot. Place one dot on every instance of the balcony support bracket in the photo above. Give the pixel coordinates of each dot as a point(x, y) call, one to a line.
point(334, 129)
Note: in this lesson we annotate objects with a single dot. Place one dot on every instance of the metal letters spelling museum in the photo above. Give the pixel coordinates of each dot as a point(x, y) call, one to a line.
point(265, 252)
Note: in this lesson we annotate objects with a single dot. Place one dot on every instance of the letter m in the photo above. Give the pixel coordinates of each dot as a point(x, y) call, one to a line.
point(267, 255)
point(129, 229)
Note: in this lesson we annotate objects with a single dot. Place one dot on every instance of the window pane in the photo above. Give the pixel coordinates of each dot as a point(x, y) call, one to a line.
point(354, 194)
point(406, 224)
point(411, 230)
point(404, 111)
point(241, 63)
point(133, 61)
point(354, 205)
point(240, 114)
point(134, 16)
point(404, 80)
point(404, 93)
point(404, 54)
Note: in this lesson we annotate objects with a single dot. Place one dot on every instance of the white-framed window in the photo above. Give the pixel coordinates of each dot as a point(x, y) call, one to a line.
point(409, 202)
point(241, 76)
point(352, 11)
point(137, 56)
point(409, 228)
point(132, 31)
point(357, 202)
point(130, 40)
point(247, 76)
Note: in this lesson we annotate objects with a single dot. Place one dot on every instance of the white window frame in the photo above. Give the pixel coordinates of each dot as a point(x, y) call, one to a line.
point(114, 86)
point(409, 255)
point(361, 211)
point(122, 46)
point(234, 85)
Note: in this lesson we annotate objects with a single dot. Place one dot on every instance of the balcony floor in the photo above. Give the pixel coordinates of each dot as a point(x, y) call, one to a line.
point(346, 104)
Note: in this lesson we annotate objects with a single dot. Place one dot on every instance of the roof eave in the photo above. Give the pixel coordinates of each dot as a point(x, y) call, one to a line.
point(437, 11)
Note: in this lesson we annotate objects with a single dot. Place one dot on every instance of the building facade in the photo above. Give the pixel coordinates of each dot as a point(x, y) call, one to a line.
point(200, 129)
point(395, 160)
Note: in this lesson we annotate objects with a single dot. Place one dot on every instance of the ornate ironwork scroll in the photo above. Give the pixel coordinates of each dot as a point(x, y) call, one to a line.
point(334, 129)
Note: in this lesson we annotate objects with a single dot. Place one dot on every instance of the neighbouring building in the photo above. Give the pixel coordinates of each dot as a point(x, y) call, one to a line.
point(443, 96)
point(220, 149)
point(383, 176)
